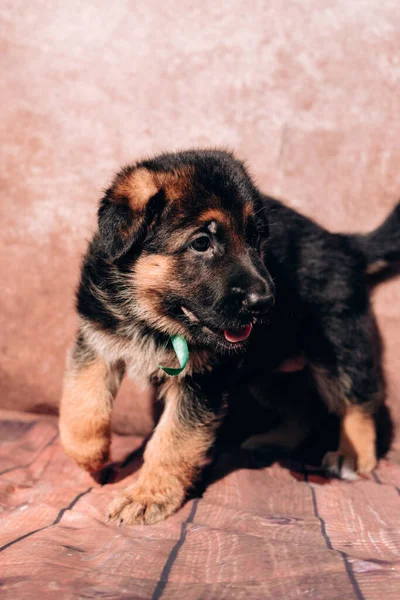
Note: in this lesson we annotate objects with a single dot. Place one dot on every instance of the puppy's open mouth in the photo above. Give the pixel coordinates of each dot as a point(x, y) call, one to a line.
point(234, 336)
point(238, 335)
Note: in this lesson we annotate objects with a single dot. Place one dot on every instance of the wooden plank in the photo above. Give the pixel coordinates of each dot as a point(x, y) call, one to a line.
point(362, 521)
point(264, 532)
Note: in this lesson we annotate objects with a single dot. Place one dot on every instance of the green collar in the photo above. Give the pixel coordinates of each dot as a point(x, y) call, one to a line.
point(180, 346)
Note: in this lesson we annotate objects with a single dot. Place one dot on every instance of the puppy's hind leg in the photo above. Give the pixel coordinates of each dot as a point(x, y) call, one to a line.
point(353, 388)
point(90, 386)
point(356, 452)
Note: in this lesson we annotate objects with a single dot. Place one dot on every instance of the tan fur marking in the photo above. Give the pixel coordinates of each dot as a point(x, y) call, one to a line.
point(358, 437)
point(179, 448)
point(357, 434)
point(153, 276)
point(85, 413)
point(141, 184)
point(215, 214)
point(151, 272)
point(172, 460)
point(178, 183)
point(248, 211)
point(236, 238)
point(139, 187)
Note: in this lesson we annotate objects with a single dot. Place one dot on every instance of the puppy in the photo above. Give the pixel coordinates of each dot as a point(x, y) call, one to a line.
point(187, 245)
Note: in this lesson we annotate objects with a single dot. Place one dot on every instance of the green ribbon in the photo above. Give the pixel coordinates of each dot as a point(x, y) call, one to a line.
point(180, 346)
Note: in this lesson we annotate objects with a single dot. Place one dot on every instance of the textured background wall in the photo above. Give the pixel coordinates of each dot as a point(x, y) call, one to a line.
point(307, 91)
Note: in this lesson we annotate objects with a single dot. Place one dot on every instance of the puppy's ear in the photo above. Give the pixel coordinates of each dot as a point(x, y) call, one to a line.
point(128, 208)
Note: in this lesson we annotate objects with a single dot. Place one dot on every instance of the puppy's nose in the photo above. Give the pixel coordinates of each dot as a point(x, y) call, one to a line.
point(258, 302)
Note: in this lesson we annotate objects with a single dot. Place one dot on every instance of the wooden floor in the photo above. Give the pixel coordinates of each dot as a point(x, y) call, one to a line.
point(256, 533)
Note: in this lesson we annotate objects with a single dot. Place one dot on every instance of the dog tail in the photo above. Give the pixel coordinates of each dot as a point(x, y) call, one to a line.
point(381, 247)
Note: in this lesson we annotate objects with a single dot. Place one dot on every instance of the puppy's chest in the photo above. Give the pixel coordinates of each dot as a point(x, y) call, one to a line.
point(143, 363)
point(143, 357)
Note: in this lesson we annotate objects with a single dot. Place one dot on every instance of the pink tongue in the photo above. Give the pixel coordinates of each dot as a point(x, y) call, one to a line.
point(238, 335)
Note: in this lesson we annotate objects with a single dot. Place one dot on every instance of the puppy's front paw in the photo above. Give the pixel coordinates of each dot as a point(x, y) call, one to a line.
point(144, 505)
point(90, 454)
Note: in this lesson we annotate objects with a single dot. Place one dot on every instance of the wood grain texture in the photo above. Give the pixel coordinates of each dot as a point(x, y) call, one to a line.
point(254, 533)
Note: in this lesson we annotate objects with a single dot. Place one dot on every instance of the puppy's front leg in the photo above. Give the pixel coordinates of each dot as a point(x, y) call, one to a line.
point(173, 459)
point(90, 386)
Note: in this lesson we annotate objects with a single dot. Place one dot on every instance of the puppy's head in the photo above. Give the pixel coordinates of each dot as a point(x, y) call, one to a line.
point(187, 228)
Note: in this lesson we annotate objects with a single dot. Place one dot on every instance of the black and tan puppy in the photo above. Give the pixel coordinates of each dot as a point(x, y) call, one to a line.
point(187, 245)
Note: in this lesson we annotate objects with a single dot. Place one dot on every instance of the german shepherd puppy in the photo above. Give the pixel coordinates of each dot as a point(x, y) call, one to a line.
point(187, 245)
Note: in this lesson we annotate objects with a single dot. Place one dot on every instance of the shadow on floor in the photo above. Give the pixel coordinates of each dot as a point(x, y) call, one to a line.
point(248, 418)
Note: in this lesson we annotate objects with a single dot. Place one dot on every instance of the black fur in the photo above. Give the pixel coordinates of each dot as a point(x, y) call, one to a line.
point(318, 281)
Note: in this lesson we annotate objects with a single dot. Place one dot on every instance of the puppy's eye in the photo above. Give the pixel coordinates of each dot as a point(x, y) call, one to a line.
point(201, 244)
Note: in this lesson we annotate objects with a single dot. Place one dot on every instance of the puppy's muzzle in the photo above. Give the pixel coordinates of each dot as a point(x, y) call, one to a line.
point(256, 300)
point(258, 303)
